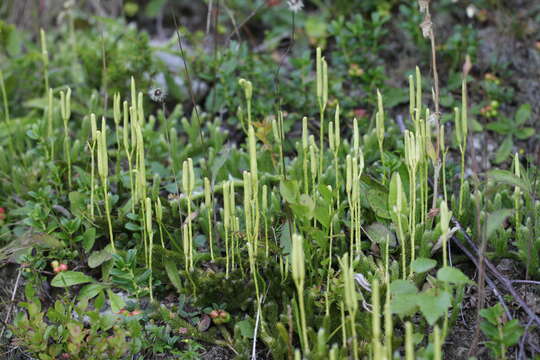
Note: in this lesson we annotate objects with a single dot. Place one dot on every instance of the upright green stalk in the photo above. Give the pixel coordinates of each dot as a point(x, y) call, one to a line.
point(379, 122)
point(44, 59)
point(437, 346)
point(418, 102)
point(313, 161)
point(7, 119)
point(305, 151)
point(209, 211)
point(388, 325)
point(127, 134)
point(322, 98)
point(299, 275)
point(412, 100)
point(409, 346)
point(226, 221)
point(50, 122)
point(334, 141)
point(461, 123)
point(188, 185)
point(92, 146)
point(351, 299)
point(398, 211)
point(250, 210)
point(444, 152)
point(376, 321)
point(277, 129)
point(159, 219)
point(343, 325)
point(103, 171)
point(4, 97)
point(265, 215)
point(354, 169)
point(446, 216)
point(117, 118)
point(186, 245)
point(252, 149)
point(412, 158)
point(150, 234)
point(65, 109)
point(248, 93)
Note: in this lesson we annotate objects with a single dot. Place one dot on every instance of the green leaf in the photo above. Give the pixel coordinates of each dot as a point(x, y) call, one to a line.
point(326, 194)
point(447, 100)
point(246, 328)
point(77, 203)
point(91, 290)
point(523, 114)
point(88, 239)
point(378, 201)
point(172, 273)
point(154, 7)
point(433, 306)
point(504, 150)
point(305, 207)
point(475, 125)
point(507, 177)
point(70, 278)
point(322, 214)
point(404, 304)
point(379, 234)
point(452, 275)
point(492, 314)
point(400, 287)
point(393, 192)
point(285, 239)
point(315, 27)
point(512, 332)
point(501, 127)
point(100, 301)
point(99, 257)
point(489, 330)
point(133, 227)
point(289, 190)
point(495, 221)
point(219, 162)
point(395, 96)
point(117, 303)
point(422, 265)
point(524, 133)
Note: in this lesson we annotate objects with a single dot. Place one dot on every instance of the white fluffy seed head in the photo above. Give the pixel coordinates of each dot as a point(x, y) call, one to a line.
point(295, 5)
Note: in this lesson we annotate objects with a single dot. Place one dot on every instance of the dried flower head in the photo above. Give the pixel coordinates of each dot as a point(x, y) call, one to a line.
point(426, 26)
point(424, 5)
point(157, 95)
point(295, 5)
point(362, 281)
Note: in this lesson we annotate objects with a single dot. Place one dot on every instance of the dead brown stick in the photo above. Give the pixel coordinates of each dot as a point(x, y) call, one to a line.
point(491, 268)
point(13, 294)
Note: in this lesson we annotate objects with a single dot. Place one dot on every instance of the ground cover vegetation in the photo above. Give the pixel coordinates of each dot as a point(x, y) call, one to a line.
point(270, 179)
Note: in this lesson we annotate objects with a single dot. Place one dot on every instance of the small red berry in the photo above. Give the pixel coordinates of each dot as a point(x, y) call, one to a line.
point(214, 314)
point(63, 267)
point(224, 316)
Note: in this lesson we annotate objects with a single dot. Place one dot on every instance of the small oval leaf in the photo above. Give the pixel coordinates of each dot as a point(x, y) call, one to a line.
point(70, 278)
point(452, 275)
